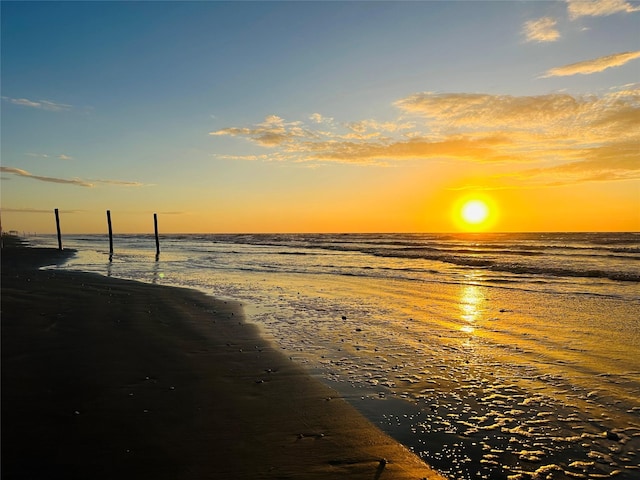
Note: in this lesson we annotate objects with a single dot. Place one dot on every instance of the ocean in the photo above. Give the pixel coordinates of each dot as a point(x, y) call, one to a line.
point(493, 356)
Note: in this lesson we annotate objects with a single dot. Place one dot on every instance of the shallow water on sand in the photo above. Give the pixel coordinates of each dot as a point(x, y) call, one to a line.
point(503, 383)
point(482, 378)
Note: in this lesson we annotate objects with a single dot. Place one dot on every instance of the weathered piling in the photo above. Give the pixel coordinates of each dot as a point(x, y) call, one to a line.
point(155, 226)
point(110, 235)
point(58, 229)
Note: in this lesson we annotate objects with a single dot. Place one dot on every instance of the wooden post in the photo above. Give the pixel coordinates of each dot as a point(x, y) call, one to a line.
point(58, 229)
point(155, 226)
point(110, 235)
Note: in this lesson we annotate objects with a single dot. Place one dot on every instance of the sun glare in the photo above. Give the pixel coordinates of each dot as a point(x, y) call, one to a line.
point(474, 214)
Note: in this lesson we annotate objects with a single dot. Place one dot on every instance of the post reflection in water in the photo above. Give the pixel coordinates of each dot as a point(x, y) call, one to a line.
point(471, 302)
point(157, 273)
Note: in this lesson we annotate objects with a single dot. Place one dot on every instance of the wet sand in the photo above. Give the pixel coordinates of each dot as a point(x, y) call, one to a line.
point(106, 378)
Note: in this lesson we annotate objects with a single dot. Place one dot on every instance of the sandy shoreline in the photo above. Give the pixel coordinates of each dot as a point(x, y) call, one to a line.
point(106, 378)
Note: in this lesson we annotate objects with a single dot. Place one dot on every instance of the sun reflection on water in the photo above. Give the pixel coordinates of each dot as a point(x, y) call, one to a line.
point(471, 301)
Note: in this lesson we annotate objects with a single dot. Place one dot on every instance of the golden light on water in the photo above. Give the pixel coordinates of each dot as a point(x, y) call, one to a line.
point(471, 300)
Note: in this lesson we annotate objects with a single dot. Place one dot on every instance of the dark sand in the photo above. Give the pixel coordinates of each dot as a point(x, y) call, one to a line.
point(112, 379)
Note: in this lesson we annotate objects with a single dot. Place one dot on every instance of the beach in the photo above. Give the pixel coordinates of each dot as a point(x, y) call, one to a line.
point(107, 378)
point(500, 356)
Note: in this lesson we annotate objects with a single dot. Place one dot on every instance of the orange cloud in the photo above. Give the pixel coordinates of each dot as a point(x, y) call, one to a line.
point(582, 137)
point(599, 8)
point(272, 132)
point(541, 30)
point(593, 66)
point(471, 110)
point(480, 149)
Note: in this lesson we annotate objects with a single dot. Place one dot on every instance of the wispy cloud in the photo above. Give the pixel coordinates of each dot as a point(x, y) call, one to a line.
point(477, 110)
point(584, 137)
point(593, 66)
point(251, 158)
point(24, 173)
point(615, 162)
point(272, 132)
point(576, 138)
point(319, 118)
point(373, 127)
point(599, 8)
point(68, 181)
point(541, 30)
point(39, 104)
point(37, 210)
point(121, 183)
point(60, 156)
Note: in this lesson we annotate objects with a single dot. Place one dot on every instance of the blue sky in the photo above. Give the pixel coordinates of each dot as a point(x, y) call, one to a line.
point(299, 116)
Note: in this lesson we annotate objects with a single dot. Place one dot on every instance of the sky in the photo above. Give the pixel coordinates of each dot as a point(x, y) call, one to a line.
point(320, 116)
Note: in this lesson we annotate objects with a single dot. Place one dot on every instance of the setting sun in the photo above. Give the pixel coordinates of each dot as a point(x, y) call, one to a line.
point(475, 212)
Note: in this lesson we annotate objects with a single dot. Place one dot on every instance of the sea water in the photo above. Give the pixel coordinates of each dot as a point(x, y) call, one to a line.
point(489, 355)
